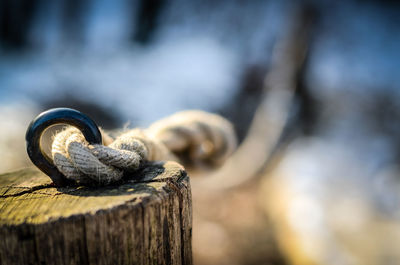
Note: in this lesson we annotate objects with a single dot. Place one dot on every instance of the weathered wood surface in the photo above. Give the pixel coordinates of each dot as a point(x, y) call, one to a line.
point(142, 221)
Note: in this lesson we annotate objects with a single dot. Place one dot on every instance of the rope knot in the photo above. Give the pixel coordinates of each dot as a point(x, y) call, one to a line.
point(194, 138)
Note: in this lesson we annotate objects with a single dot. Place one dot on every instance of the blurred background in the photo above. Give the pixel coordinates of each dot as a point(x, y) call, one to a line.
point(312, 88)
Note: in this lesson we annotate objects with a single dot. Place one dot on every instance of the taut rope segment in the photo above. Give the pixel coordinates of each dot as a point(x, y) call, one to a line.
point(194, 138)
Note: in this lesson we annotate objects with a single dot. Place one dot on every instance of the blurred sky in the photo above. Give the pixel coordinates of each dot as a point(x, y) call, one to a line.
point(196, 54)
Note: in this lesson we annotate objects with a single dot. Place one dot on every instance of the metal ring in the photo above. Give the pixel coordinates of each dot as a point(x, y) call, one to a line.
point(51, 117)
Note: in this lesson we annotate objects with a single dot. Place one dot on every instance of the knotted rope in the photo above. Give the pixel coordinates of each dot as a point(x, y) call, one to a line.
point(194, 138)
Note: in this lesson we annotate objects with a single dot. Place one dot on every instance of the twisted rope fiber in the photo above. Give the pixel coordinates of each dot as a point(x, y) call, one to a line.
point(193, 138)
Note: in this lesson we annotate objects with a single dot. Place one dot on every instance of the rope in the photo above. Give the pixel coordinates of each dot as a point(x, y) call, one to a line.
point(194, 138)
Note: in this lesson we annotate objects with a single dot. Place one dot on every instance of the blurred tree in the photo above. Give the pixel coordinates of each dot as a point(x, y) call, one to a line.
point(73, 15)
point(16, 18)
point(147, 20)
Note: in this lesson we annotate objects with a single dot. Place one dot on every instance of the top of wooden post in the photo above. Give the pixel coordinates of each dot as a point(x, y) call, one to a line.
point(28, 196)
point(146, 219)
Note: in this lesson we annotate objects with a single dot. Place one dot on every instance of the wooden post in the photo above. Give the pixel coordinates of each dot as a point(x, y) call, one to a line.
point(145, 220)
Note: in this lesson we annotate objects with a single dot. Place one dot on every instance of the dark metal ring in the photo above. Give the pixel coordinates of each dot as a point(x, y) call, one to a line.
point(51, 117)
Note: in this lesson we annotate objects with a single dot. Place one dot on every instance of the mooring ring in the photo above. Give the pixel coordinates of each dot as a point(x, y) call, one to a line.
point(52, 117)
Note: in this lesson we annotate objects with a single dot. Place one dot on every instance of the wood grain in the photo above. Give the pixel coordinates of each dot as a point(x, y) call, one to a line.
point(146, 219)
